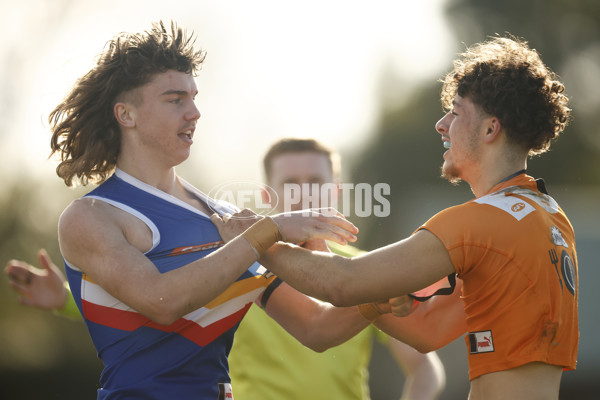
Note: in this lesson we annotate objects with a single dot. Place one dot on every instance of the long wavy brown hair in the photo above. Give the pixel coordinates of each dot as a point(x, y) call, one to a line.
point(510, 81)
point(85, 132)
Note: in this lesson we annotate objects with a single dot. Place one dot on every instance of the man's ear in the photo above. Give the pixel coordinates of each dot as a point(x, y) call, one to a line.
point(493, 130)
point(124, 115)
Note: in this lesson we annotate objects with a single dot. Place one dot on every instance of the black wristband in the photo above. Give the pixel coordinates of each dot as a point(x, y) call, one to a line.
point(269, 291)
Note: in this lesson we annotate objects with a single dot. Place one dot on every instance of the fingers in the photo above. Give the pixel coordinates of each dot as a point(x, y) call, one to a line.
point(327, 212)
point(332, 212)
point(216, 219)
point(334, 217)
point(230, 226)
point(300, 226)
point(26, 301)
point(344, 234)
point(21, 288)
point(329, 216)
point(45, 260)
point(246, 212)
point(338, 234)
point(19, 272)
point(345, 224)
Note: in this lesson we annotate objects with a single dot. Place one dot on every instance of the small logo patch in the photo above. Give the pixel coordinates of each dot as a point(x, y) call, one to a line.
point(557, 237)
point(518, 207)
point(225, 392)
point(569, 274)
point(481, 342)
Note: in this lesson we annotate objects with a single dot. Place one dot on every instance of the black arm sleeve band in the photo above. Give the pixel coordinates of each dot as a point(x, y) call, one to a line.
point(269, 291)
point(442, 291)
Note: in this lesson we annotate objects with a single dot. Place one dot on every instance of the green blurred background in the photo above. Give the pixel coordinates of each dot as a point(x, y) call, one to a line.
point(45, 357)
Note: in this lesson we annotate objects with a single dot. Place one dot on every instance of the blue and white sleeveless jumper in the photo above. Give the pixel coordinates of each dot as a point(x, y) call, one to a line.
point(145, 360)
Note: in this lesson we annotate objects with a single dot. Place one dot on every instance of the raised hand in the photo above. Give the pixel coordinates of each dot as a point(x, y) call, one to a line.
point(42, 288)
point(232, 225)
point(295, 227)
point(324, 223)
point(316, 245)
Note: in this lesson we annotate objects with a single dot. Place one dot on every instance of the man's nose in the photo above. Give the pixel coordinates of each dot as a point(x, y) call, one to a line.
point(193, 114)
point(442, 125)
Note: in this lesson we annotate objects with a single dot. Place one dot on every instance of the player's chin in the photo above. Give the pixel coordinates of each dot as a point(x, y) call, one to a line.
point(450, 174)
point(181, 156)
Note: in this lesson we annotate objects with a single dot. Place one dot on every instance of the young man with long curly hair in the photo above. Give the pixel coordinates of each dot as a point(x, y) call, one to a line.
point(160, 290)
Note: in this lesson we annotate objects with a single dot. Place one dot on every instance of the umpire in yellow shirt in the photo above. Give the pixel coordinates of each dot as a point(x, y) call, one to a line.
point(267, 363)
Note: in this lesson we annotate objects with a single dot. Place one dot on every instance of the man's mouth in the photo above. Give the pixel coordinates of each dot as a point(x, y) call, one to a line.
point(189, 134)
point(446, 142)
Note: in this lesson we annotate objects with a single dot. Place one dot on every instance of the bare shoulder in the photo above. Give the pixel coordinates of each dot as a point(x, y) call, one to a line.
point(85, 226)
point(100, 222)
point(83, 214)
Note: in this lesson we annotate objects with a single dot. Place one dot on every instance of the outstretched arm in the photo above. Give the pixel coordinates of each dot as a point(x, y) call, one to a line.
point(398, 269)
point(433, 324)
point(108, 246)
point(315, 324)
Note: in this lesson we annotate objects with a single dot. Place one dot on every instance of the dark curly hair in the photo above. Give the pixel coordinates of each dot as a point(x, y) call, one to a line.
point(510, 81)
point(84, 130)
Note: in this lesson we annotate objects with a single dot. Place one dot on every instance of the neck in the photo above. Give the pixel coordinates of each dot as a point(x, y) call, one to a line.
point(164, 179)
point(497, 160)
point(493, 174)
point(149, 167)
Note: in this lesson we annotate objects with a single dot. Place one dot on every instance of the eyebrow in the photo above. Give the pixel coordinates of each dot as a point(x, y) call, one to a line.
point(173, 91)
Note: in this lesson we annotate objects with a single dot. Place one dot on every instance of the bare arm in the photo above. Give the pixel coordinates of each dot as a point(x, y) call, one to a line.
point(432, 325)
point(92, 237)
point(391, 271)
point(97, 238)
point(425, 375)
point(315, 324)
